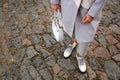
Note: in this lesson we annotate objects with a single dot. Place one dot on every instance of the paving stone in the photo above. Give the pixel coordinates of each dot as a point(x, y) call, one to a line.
point(46, 74)
point(29, 1)
point(105, 21)
point(33, 17)
point(94, 64)
point(28, 30)
point(38, 1)
point(7, 27)
point(30, 9)
point(17, 42)
point(104, 30)
point(90, 53)
point(12, 20)
point(102, 40)
point(24, 14)
point(112, 70)
point(30, 52)
point(49, 41)
point(116, 57)
point(13, 71)
point(6, 77)
point(58, 50)
point(21, 54)
point(51, 60)
point(56, 68)
point(117, 36)
point(118, 23)
point(22, 68)
point(0, 33)
point(118, 46)
point(55, 77)
point(102, 53)
point(33, 71)
point(3, 70)
point(41, 8)
point(94, 44)
point(113, 50)
point(44, 53)
point(49, 29)
point(25, 75)
point(10, 59)
point(46, 3)
point(79, 76)
point(91, 73)
point(35, 39)
point(102, 75)
point(115, 28)
point(39, 63)
point(38, 78)
point(111, 40)
point(26, 42)
point(27, 62)
point(21, 26)
point(1, 56)
point(37, 29)
point(66, 63)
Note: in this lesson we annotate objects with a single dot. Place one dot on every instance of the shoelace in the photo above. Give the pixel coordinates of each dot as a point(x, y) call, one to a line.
point(81, 61)
point(69, 48)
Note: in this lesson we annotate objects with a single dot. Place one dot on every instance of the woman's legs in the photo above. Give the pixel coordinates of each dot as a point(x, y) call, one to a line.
point(81, 52)
point(82, 49)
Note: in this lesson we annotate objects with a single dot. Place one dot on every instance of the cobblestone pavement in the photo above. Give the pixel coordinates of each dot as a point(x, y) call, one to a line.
point(30, 52)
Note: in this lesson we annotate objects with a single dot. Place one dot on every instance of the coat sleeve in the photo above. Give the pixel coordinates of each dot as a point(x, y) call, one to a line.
point(55, 1)
point(96, 7)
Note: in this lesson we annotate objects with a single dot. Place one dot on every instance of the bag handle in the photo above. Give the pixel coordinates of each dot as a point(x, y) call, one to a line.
point(58, 18)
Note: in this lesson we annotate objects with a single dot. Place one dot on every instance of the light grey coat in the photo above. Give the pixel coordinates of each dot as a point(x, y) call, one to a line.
point(72, 14)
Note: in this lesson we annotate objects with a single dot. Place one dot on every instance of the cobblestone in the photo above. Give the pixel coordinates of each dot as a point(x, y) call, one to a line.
point(29, 51)
point(102, 53)
point(115, 28)
point(33, 72)
point(51, 60)
point(48, 40)
point(56, 68)
point(113, 50)
point(102, 40)
point(66, 64)
point(35, 39)
point(112, 70)
point(39, 63)
point(91, 73)
point(44, 53)
point(46, 74)
point(116, 57)
point(17, 43)
point(94, 64)
point(111, 40)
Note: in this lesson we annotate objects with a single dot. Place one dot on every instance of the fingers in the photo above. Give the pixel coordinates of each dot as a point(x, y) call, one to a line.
point(56, 7)
point(87, 19)
point(84, 20)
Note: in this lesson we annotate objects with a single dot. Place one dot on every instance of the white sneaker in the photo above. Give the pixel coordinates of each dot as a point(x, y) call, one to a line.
point(69, 49)
point(81, 63)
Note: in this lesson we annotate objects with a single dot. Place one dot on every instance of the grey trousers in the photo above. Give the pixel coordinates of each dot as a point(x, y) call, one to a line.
point(81, 47)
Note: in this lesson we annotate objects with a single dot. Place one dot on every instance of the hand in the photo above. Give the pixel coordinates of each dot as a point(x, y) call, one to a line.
point(87, 19)
point(56, 7)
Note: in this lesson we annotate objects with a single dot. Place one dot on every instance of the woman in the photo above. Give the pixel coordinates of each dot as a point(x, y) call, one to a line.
point(80, 19)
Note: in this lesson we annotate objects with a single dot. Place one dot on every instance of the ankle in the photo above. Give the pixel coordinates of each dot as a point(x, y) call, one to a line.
point(71, 42)
point(79, 55)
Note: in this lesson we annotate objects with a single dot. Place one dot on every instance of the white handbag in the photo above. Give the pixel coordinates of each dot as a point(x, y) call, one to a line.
point(57, 26)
